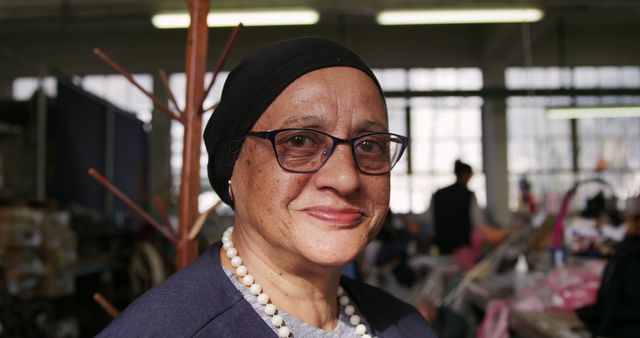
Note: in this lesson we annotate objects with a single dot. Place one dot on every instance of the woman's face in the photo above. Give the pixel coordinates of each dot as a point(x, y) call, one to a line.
point(328, 216)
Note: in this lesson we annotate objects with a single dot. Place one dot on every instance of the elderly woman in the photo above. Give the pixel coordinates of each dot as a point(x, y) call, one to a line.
point(299, 147)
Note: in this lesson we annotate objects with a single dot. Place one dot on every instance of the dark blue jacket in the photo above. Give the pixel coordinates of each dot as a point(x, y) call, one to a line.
point(201, 301)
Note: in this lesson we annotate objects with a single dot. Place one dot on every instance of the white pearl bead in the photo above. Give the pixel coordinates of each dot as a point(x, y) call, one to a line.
point(236, 261)
point(247, 280)
point(270, 309)
point(277, 320)
point(340, 291)
point(284, 332)
point(349, 310)
point(232, 252)
point(227, 245)
point(366, 336)
point(255, 289)
point(344, 300)
point(242, 271)
point(355, 320)
point(361, 329)
point(263, 298)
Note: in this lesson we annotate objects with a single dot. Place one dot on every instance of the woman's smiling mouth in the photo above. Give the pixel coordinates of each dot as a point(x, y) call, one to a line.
point(341, 216)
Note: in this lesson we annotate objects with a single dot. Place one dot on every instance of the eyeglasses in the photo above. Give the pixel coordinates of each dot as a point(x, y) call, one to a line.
point(307, 150)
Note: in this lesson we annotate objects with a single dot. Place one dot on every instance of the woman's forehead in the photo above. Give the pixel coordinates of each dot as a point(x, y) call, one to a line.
point(357, 124)
point(328, 95)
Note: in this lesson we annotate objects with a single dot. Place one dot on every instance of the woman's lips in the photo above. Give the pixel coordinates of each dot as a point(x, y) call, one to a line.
point(337, 216)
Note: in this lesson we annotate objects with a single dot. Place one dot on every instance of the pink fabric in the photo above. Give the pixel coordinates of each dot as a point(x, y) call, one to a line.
point(467, 256)
point(558, 226)
point(572, 288)
point(495, 323)
point(563, 289)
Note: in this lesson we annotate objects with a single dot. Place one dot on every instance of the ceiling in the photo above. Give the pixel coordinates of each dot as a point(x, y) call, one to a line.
point(25, 10)
point(61, 33)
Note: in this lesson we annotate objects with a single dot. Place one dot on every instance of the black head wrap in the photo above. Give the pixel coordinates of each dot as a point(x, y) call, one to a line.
point(253, 85)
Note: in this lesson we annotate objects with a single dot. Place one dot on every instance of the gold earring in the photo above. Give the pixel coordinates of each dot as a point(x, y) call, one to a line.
point(230, 190)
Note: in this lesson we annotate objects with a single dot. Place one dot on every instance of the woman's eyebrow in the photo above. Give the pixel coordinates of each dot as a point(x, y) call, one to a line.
point(308, 121)
point(298, 120)
point(371, 125)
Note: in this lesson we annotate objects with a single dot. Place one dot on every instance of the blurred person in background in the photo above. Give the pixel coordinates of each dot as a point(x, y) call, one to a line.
point(454, 214)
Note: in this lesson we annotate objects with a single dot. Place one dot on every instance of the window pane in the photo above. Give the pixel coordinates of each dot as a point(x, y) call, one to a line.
point(392, 79)
point(23, 88)
point(541, 148)
point(121, 93)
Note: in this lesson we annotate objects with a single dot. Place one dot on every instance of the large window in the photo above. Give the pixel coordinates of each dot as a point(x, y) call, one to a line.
point(443, 129)
point(541, 149)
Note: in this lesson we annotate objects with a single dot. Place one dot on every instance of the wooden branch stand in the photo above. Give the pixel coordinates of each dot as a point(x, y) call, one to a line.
point(191, 118)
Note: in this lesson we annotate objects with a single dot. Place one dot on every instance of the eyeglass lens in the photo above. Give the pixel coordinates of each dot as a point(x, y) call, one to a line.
point(307, 150)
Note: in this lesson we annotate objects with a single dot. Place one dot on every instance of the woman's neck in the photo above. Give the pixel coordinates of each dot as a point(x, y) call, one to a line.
point(293, 286)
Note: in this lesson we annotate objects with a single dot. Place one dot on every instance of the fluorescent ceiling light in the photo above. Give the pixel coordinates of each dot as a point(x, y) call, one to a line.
point(171, 20)
point(593, 112)
point(283, 17)
point(458, 16)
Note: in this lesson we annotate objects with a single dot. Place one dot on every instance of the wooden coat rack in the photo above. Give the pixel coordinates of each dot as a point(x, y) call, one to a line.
point(191, 119)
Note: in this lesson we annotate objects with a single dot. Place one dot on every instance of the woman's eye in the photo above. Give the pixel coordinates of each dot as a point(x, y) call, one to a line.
point(371, 146)
point(299, 141)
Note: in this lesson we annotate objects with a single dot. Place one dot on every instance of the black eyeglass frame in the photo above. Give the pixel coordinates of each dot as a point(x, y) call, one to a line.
point(271, 136)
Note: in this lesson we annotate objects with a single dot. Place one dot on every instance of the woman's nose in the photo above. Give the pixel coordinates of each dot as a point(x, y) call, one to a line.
point(340, 172)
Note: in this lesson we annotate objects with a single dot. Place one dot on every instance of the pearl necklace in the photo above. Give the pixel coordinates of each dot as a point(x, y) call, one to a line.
point(276, 320)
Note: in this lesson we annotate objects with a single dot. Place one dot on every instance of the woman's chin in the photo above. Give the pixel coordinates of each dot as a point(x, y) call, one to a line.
point(332, 252)
point(325, 266)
